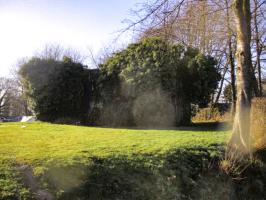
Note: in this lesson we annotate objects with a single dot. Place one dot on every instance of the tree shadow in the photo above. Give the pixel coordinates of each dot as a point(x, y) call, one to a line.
point(252, 185)
point(187, 173)
point(205, 126)
point(261, 155)
point(175, 175)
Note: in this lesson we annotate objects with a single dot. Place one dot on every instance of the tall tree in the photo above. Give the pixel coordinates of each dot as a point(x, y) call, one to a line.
point(153, 68)
point(231, 58)
point(57, 89)
point(241, 133)
point(5, 88)
point(198, 24)
point(258, 35)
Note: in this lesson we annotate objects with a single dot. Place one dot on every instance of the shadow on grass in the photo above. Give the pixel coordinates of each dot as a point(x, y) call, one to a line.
point(189, 173)
point(261, 155)
point(182, 174)
point(252, 185)
point(204, 126)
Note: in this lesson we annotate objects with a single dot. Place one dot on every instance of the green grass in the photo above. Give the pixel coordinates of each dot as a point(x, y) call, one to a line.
point(46, 146)
point(42, 143)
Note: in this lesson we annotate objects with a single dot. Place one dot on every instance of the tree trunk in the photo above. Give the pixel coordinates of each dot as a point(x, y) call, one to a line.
point(241, 134)
point(233, 76)
point(182, 106)
point(231, 60)
point(221, 85)
point(258, 49)
point(254, 82)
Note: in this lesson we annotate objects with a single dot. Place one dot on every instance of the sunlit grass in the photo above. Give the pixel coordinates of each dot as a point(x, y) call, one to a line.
point(42, 145)
point(44, 142)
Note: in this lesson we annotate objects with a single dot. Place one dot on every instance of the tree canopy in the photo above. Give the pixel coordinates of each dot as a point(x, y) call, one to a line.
point(149, 83)
point(182, 75)
point(56, 89)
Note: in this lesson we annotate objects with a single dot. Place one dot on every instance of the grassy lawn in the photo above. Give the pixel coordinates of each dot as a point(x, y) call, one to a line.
point(104, 151)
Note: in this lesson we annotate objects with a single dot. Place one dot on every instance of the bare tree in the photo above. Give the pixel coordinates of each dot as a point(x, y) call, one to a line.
point(51, 51)
point(57, 52)
point(12, 101)
point(231, 52)
point(189, 26)
point(199, 24)
point(241, 133)
point(259, 35)
point(5, 87)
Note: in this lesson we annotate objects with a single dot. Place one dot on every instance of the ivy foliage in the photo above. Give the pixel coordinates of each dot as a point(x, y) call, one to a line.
point(153, 65)
point(56, 89)
point(151, 82)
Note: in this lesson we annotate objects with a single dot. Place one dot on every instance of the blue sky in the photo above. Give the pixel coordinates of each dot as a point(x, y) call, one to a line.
point(27, 25)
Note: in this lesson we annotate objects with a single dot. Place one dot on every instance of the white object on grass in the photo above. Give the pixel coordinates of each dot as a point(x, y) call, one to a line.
point(28, 119)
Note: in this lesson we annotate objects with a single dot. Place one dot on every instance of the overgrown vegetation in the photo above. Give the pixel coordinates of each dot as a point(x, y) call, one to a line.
point(57, 89)
point(152, 80)
point(151, 69)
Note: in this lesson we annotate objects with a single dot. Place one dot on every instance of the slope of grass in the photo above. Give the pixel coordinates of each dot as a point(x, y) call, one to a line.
point(113, 163)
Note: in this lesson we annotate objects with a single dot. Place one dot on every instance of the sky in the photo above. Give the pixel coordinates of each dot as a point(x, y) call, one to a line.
point(28, 25)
